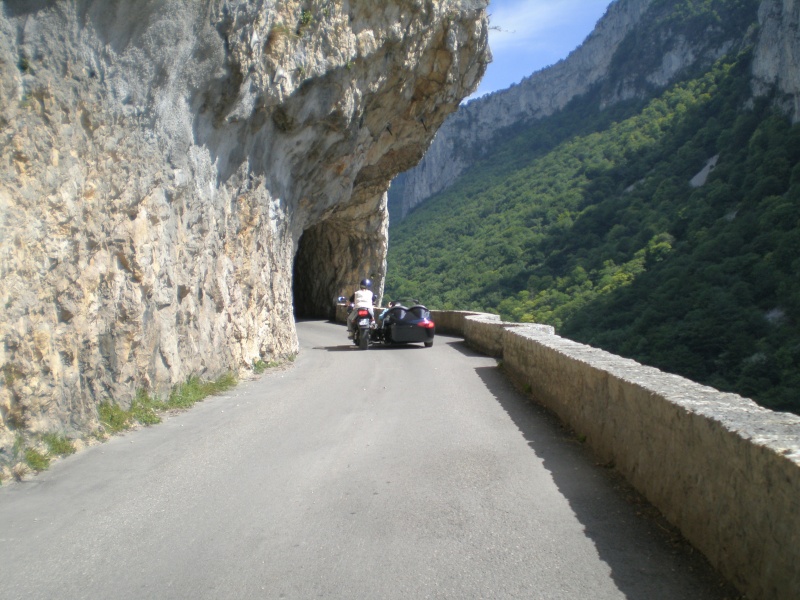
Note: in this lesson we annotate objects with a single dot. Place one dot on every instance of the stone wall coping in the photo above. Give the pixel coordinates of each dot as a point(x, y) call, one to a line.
point(778, 431)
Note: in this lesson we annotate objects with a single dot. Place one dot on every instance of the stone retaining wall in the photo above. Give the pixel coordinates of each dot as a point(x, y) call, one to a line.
point(452, 321)
point(723, 470)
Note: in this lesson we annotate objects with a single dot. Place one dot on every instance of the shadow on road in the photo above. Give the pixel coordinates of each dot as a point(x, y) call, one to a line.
point(375, 348)
point(346, 348)
point(648, 558)
point(459, 344)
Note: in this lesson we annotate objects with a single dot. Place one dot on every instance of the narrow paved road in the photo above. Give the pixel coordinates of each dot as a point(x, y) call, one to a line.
point(389, 473)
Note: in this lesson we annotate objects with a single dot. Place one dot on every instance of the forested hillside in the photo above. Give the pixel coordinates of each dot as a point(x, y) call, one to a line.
point(605, 225)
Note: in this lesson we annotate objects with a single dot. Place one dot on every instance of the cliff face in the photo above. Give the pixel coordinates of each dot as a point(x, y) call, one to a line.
point(168, 164)
point(633, 51)
point(776, 63)
point(540, 95)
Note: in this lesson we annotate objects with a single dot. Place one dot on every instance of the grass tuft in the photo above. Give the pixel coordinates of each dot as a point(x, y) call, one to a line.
point(113, 418)
point(58, 445)
point(195, 389)
point(259, 366)
point(145, 408)
point(36, 460)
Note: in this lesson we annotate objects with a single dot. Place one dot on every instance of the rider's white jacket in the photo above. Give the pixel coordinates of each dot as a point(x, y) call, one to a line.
point(363, 298)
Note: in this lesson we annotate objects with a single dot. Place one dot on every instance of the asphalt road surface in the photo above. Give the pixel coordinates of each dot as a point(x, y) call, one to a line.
point(389, 473)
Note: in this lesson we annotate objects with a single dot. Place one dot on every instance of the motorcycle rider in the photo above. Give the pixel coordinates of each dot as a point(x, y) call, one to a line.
point(361, 298)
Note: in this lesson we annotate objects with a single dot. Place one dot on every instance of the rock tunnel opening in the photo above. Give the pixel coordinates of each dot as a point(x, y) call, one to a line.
point(308, 273)
point(331, 258)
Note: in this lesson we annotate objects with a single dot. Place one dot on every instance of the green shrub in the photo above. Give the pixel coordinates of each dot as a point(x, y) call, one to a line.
point(58, 445)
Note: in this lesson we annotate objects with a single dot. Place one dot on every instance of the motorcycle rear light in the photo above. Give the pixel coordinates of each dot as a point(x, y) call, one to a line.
point(362, 312)
point(427, 324)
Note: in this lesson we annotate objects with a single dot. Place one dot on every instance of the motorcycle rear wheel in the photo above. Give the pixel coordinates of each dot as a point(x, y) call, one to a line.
point(363, 340)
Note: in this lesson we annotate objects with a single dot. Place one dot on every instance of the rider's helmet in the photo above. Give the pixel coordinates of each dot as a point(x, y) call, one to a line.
point(366, 284)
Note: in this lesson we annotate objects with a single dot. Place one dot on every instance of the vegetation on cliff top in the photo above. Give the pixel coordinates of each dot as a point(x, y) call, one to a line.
point(590, 222)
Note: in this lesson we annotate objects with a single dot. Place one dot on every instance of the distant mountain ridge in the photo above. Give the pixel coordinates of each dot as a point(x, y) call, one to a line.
point(611, 57)
point(540, 95)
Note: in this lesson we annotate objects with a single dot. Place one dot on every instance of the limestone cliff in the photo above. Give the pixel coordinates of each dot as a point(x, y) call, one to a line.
point(776, 64)
point(168, 164)
point(634, 50)
point(469, 130)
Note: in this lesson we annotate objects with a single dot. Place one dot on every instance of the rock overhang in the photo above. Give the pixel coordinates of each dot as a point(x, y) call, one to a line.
point(167, 170)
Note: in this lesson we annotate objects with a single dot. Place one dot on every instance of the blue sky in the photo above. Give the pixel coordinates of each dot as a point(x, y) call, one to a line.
point(528, 35)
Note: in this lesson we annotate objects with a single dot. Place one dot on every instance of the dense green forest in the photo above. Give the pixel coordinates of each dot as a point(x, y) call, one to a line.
point(590, 221)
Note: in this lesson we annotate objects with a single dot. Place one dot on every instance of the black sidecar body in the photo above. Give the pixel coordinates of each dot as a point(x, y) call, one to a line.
point(403, 325)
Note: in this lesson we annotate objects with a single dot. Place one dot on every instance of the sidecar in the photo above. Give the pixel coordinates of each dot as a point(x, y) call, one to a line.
point(403, 325)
